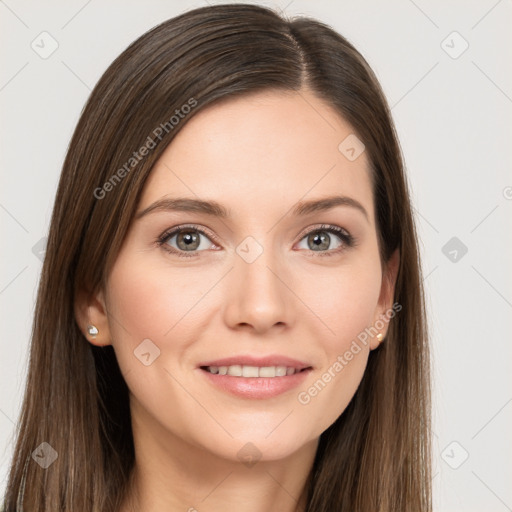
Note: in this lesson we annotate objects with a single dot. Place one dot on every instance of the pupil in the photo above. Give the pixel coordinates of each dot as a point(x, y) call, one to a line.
point(321, 241)
point(189, 239)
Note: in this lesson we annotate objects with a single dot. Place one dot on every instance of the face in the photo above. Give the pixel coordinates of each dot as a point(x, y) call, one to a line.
point(273, 283)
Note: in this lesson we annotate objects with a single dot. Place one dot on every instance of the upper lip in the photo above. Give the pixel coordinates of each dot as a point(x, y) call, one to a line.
point(246, 360)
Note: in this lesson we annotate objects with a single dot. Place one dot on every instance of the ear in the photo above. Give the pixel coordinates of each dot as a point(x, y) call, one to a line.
point(387, 293)
point(90, 309)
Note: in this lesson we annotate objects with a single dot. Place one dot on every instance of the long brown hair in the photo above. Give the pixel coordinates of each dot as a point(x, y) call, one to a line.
point(376, 456)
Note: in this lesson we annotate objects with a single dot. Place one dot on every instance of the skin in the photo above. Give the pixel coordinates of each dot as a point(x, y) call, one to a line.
point(257, 155)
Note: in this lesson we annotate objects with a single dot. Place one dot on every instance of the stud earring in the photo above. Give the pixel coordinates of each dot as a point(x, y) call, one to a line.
point(92, 330)
point(380, 337)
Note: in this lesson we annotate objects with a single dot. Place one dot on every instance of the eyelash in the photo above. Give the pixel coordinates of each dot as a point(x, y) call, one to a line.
point(347, 239)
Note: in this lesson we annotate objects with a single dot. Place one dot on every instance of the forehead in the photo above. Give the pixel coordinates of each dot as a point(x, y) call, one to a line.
point(264, 150)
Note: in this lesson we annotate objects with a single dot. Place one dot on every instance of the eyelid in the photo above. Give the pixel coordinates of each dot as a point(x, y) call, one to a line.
point(182, 227)
point(348, 241)
point(161, 241)
point(322, 227)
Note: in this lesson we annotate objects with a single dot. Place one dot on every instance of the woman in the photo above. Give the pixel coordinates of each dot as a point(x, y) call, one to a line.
point(230, 313)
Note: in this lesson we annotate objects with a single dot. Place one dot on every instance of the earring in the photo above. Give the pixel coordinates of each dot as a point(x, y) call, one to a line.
point(380, 337)
point(92, 330)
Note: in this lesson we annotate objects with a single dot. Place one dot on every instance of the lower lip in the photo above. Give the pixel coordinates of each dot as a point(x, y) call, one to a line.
point(256, 387)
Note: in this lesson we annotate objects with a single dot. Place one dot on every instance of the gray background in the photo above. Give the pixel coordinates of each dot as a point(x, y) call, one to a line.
point(453, 114)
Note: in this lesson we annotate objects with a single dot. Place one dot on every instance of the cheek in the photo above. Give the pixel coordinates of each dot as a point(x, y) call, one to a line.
point(149, 300)
point(344, 301)
point(346, 306)
point(152, 301)
point(138, 305)
point(152, 310)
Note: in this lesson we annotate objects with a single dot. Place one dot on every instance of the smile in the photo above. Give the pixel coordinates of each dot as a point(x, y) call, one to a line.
point(254, 376)
point(246, 371)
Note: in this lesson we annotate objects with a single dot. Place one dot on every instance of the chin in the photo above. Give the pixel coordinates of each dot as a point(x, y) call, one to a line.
point(259, 446)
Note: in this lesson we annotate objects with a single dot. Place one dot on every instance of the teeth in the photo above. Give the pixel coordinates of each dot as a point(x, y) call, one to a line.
point(268, 371)
point(237, 370)
point(250, 371)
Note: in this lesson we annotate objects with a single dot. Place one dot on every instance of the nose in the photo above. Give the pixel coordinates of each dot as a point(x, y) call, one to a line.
point(257, 296)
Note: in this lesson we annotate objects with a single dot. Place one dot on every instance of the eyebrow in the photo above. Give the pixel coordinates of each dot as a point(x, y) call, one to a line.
point(215, 209)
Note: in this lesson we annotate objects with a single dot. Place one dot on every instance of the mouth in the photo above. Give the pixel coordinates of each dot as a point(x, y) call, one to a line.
point(248, 371)
point(255, 378)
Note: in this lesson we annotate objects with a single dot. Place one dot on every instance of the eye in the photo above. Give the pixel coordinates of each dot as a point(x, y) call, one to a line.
point(185, 239)
point(320, 239)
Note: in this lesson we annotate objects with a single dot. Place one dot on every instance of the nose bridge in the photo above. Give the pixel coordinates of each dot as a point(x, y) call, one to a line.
point(257, 295)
